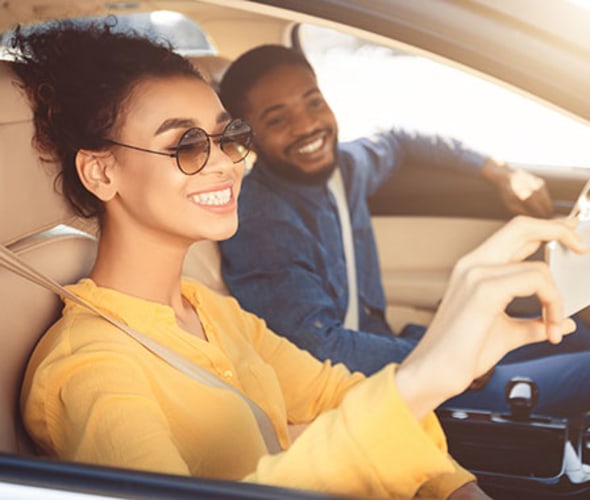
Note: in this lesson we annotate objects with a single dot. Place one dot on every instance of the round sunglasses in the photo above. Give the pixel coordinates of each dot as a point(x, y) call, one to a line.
point(194, 146)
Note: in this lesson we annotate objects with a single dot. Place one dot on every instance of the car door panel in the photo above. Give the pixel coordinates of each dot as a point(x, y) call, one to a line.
point(417, 255)
point(430, 191)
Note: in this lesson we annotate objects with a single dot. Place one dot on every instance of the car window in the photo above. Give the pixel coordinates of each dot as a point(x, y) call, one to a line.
point(372, 87)
point(185, 35)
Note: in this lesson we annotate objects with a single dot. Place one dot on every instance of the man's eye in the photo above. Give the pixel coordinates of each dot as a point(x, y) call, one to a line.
point(316, 103)
point(277, 120)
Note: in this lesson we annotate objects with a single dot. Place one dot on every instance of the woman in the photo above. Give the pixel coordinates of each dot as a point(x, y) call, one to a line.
point(145, 145)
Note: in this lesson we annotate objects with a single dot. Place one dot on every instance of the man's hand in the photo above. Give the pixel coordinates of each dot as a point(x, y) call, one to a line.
point(523, 193)
point(469, 491)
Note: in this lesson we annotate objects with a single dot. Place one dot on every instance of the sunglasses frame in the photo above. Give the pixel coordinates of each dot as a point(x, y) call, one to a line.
point(178, 146)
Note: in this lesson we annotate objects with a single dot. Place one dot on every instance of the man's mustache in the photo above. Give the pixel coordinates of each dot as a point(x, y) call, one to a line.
point(308, 138)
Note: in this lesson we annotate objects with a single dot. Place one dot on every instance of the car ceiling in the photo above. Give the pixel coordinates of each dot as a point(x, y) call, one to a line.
point(539, 47)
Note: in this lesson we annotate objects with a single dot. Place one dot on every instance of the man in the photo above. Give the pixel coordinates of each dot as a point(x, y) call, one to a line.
point(288, 261)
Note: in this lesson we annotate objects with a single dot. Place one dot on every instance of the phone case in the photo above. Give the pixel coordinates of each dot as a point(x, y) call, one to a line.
point(571, 271)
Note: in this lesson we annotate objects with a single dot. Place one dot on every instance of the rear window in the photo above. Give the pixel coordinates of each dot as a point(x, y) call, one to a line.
point(183, 33)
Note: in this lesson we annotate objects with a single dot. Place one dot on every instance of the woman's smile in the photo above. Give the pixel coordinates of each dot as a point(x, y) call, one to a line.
point(218, 199)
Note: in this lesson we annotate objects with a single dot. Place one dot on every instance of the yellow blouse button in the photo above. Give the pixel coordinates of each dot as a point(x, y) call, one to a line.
point(228, 374)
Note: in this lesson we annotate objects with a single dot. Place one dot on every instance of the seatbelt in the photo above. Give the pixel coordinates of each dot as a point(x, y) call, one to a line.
point(14, 263)
point(336, 186)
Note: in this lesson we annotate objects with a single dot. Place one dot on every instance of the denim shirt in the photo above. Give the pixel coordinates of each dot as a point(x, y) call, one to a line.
point(286, 262)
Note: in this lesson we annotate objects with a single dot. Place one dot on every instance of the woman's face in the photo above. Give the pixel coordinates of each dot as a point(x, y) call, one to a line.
point(153, 196)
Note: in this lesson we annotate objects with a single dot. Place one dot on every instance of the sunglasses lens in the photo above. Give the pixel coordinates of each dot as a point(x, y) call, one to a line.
point(193, 151)
point(236, 140)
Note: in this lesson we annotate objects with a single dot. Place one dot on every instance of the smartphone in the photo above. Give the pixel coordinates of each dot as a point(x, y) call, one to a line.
point(571, 271)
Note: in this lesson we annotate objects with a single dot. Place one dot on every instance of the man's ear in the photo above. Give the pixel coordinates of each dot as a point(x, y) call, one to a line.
point(96, 173)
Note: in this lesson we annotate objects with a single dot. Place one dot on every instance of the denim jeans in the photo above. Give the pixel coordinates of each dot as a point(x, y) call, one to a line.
point(561, 372)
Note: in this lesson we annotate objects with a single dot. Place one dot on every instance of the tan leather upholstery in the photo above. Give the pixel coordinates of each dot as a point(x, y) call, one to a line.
point(415, 277)
point(27, 310)
point(211, 67)
point(29, 206)
point(32, 223)
point(26, 185)
point(203, 262)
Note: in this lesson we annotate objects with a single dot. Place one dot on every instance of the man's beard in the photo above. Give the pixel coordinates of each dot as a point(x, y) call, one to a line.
point(292, 173)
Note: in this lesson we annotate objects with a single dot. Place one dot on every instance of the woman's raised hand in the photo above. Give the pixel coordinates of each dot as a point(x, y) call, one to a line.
point(471, 331)
point(519, 238)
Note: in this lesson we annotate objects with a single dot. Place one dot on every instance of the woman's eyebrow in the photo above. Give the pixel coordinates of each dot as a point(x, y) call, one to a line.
point(224, 116)
point(175, 123)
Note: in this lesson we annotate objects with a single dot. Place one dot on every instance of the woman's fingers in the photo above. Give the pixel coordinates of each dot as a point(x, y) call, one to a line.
point(491, 288)
point(530, 330)
point(523, 279)
point(520, 237)
point(503, 283)
point(471, 324)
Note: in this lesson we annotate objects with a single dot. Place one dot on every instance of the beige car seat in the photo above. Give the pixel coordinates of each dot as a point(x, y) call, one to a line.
point(30, 214)
point(211, 67)
point(36, 224)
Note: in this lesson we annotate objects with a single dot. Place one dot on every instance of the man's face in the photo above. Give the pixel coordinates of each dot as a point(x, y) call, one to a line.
point(295, 129)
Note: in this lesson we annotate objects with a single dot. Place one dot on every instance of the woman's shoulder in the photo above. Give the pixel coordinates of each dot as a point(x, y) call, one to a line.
point(76, 337)
point(79, 328)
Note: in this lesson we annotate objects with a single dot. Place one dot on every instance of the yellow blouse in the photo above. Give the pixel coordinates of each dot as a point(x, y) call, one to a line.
point(93, 394)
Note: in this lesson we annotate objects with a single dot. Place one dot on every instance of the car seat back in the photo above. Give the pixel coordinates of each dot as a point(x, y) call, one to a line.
point(31, 218)
point(212, 68)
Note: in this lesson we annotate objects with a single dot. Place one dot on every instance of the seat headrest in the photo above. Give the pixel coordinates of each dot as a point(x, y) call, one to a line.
point(28, 200)
point(28, 309)
point(211, 67)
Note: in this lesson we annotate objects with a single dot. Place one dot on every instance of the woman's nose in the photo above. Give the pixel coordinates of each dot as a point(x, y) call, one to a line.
point(218, 159)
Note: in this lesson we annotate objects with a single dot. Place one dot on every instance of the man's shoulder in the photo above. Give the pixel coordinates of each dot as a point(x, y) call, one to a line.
point(256, 183)
point(255, 196)
point(374, 141)
point(259, 195)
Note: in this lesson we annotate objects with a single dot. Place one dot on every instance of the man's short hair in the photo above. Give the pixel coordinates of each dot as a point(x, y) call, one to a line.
point(249, 68)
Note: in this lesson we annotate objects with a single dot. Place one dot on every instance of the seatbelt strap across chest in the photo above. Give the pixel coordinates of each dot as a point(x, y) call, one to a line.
point(14, 263)
point(336, 186)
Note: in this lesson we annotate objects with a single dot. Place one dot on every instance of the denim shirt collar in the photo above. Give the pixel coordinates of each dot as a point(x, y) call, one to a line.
point(310, 192)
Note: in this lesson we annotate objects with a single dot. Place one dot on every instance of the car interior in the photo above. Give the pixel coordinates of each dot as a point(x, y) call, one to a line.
point(52, 239)
point(40, 229)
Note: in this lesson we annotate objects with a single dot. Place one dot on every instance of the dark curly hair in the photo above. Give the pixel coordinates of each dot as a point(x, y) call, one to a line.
point(77, 79)
point(249, 68)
